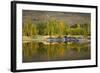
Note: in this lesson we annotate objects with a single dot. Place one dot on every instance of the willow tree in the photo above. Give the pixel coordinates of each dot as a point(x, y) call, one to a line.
point(51, 27)
point(26, 29)
point(66, 29)
point(62, 28)
point(34, 30)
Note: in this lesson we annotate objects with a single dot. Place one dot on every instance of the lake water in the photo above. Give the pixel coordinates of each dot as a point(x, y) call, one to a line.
point(40, 52)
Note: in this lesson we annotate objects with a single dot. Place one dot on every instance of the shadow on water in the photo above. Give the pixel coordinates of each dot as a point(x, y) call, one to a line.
point(39, 52)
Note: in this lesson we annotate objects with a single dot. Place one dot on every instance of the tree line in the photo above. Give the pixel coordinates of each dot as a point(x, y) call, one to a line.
point(54, 27)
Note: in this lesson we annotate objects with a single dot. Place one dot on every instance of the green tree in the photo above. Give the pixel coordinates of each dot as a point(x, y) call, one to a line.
point(34, 30)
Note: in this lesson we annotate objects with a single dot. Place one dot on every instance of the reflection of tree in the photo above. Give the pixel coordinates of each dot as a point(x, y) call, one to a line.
point(56, 51)
point(29, 50)
point(32, 50)
point(41, 50)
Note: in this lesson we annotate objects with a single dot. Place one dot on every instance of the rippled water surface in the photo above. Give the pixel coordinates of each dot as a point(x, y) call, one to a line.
point(40, 52)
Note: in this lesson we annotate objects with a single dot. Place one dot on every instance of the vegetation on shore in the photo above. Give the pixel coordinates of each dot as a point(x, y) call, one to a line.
point(52, 27)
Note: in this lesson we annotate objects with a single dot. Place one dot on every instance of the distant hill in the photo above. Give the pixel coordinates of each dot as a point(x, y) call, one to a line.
point(68, 17)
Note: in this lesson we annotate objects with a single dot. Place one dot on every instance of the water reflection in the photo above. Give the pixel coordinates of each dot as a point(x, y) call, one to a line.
point(39, 52)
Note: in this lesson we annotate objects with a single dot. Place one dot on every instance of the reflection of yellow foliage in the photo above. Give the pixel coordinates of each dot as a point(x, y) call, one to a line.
point(56, 51)
point(61, 52)
point(33, 50)
point(29, 49)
